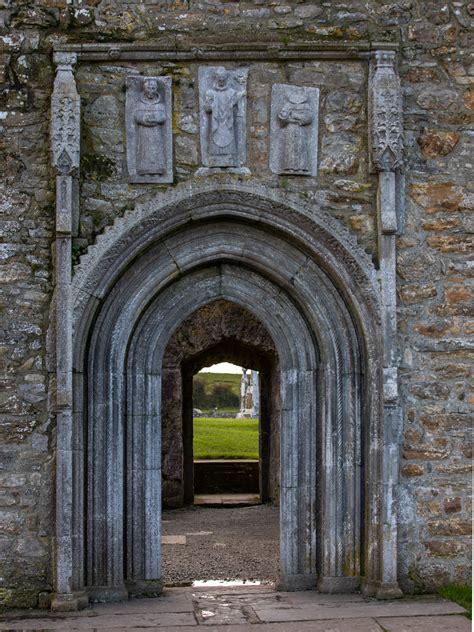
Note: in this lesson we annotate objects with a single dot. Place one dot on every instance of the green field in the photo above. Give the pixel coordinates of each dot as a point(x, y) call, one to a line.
point(209, 379)
point(225, 438)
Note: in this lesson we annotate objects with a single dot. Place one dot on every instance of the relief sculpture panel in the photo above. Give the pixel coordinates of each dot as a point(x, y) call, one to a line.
point(294, 130)
point(149, 129)
point(223, 111)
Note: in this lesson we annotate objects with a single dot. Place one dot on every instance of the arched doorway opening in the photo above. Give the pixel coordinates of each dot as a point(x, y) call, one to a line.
point(218, 331)
point(315, 293)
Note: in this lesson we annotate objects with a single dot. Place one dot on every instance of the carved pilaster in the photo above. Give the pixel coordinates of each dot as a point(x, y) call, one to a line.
point(65, 116)
point(385, 111)
point(65, 145)
point(386, 155)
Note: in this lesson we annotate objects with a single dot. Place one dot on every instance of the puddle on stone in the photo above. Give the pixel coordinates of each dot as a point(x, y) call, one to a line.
point(225, 583)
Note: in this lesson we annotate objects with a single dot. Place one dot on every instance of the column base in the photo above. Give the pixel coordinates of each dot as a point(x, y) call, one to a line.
point(389, 591)
point(104, 594)
point(293, 583)
point(69, 602)
point(380, 590)
point(145, 588)
point(338, 584)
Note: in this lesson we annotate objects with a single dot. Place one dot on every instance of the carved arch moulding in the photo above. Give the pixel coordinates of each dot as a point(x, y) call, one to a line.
point(321, 270)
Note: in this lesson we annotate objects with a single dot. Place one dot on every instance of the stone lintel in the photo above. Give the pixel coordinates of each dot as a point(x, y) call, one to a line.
point(178, 51)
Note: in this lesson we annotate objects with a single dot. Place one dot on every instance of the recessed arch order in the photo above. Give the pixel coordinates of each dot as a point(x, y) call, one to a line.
point(316, 292)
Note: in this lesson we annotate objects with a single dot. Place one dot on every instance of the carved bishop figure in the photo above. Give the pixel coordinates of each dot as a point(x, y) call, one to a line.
point(223, 112)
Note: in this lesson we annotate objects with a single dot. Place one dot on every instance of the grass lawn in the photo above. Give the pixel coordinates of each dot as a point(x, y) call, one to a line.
point(216, 438)
point(459, 594)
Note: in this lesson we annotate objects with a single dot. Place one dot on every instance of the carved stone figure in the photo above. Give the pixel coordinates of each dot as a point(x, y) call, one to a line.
point(149, 141)
point(294, 117)
point(294, 130)
point(223, 114)
point(150, 116)
point(249, 395)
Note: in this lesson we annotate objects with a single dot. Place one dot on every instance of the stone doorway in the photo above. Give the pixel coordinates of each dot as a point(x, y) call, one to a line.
point(315, 293)
point(219, 331)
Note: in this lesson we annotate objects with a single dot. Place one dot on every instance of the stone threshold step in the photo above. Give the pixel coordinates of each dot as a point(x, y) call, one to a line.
point(227, 500)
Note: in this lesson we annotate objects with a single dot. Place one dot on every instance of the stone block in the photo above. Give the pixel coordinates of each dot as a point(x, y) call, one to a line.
point(437, 196)
point(437, 143)
point(411, 294)
point(413, 469)
point(445, 548)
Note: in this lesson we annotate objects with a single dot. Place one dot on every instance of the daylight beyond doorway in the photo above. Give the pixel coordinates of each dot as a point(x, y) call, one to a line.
point(226, 443)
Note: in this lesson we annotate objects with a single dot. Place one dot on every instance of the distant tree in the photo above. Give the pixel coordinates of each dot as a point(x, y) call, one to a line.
point(223, 397)
point(200, 397)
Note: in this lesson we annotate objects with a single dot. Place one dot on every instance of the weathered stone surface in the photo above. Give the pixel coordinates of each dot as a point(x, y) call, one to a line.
point(437, 143)
point(458, 244)
point(443, 548)
point(416, 293)
point(437, 196)
point(414, 469)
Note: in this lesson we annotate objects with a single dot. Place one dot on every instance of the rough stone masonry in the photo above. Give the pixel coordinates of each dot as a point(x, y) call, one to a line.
point(397, 184)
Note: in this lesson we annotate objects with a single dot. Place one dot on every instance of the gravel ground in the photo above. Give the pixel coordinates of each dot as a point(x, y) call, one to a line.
point(243, 544)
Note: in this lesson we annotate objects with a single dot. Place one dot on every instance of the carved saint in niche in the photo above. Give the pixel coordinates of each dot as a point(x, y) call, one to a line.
point(150, 117)
point(294, 130)
point(221, 103)
point(149, 133)
point(294, 118)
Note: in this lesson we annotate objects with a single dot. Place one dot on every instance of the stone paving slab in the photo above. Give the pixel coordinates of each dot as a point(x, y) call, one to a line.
point(108, 622)
point(242, 607)
point(173, 539)
point(402, 608)
point(454, 623)
point(173, 600)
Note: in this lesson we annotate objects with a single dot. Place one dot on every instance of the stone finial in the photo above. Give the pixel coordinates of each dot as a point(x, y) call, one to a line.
point(65, 116)
point(65, 60)
point(386, 125)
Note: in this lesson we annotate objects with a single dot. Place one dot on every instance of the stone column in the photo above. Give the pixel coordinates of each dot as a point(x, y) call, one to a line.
point(255, 395)
point(65, 144)
point(386, 141)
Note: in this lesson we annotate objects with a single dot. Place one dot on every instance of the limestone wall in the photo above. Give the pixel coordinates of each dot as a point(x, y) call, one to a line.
point(435, 298)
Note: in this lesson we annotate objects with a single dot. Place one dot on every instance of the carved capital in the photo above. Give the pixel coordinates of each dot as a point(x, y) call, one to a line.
point(386, 126)
point(65, 60)
point(65, 116)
